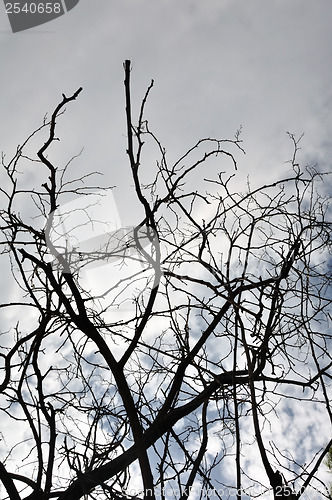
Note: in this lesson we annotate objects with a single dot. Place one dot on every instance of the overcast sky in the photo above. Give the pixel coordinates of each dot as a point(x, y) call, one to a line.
point(217, 65)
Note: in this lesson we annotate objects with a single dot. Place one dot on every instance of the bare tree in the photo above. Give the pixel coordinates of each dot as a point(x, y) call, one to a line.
point(171, 376)
point(328, 463)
